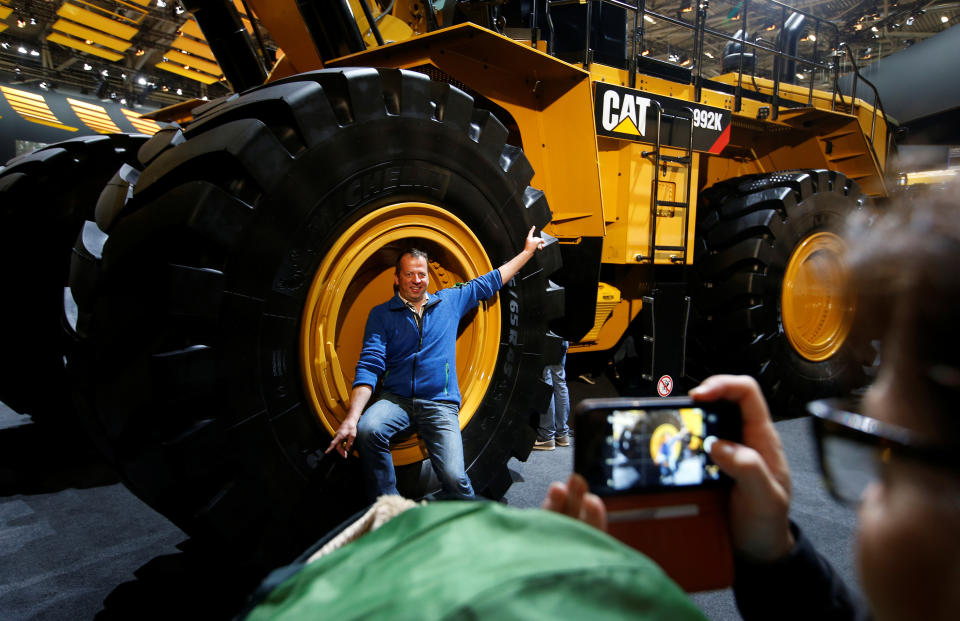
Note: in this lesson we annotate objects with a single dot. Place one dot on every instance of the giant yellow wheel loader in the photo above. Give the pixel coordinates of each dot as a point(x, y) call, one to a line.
point(219, 286)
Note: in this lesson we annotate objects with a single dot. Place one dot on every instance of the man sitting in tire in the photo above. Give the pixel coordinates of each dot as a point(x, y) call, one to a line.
point(410, 345)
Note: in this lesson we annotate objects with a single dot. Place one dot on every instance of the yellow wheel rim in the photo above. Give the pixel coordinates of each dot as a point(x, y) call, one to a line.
point(660, 435)
point(816, 312)
point(357, 274)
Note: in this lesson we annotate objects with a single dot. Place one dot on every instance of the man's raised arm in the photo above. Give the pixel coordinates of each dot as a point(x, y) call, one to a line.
point(509, 269)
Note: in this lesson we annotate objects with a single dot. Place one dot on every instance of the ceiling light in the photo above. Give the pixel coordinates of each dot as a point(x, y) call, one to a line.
point(21, 23)
point(204, 98)
point(87, 67)
point(34, 53)
point(33, 21)
point(910, 20)
point(800, 76)
point(104, 73)
point(708, 54)
point(645, 53)
point(812, 37)
point(685, 62)
point(5, 45)
point(771, 27)
point(22, 50)
point(649, 19)
point(123, 76)
point(142, 81)
point(179, 91)
point(179, 10)
point(44, 86)
point(140, 52)
point(944, 19)
point(874, 29)
point(161, 4)
point(123, 100)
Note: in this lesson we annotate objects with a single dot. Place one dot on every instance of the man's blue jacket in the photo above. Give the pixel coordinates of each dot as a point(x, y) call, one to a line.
point(420, 361)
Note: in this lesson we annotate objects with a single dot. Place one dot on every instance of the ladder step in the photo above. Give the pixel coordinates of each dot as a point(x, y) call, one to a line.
point(842, 157)
point(679, 160)
point(671, 248)
point(672, 204)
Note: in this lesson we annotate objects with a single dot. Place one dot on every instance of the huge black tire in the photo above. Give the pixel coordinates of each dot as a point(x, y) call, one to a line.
point(191, 315)
point(749, 229)
point(45, 196)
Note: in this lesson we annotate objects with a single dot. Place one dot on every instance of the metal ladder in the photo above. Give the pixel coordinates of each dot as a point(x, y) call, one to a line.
point(686, 162)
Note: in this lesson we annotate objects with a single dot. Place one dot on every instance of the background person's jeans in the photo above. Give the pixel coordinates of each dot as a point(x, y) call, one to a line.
point(437, 423)
point(553, 422)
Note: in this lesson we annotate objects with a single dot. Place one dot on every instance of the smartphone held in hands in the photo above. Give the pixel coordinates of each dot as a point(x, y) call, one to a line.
point(648, 459)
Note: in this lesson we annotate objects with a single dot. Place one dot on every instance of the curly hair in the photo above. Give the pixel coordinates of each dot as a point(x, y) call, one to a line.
point(905, 279)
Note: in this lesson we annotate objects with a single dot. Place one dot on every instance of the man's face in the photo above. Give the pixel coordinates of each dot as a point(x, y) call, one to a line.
point(413, 278)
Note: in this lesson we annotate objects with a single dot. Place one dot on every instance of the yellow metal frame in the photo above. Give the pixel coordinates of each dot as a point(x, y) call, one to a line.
point(33, 108)
point(82, 32)
point(76, 44)
point(104, 24)
point(194, 62)
point(93, 116)
point(350, 282)
point(601, 187)
point(193, 46)
point(199, 76)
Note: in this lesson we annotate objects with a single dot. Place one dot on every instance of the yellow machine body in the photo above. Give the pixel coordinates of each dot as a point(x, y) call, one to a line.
point(599, 186)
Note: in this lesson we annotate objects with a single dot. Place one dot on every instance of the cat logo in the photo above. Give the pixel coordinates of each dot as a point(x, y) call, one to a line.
point(624, 115)
point(629, 114)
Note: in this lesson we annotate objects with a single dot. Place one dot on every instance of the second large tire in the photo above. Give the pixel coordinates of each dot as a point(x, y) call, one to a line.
point(45, 196)
point(761, 238)
point(221, 315)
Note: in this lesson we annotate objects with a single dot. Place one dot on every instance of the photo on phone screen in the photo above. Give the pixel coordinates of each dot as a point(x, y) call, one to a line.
point(635, 446)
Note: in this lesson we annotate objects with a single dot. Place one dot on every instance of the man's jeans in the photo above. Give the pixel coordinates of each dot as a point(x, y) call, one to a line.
point(438, 425)
point(553, 422)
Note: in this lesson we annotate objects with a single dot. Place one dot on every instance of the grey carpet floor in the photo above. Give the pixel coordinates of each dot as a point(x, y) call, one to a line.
point(75, 544)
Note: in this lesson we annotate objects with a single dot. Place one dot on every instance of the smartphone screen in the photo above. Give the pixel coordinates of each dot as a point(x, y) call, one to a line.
point(631, 445)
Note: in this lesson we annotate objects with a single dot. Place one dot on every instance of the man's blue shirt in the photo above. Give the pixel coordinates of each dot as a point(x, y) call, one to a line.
point(420, 361)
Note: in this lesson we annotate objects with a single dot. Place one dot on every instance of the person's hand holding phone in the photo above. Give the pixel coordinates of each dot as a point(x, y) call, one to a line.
point(760, 498)
point(575, 500)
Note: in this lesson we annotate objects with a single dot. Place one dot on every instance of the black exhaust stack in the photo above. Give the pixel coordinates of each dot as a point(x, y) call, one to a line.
point(229, 42)
point(332, 26)
point(788, 43)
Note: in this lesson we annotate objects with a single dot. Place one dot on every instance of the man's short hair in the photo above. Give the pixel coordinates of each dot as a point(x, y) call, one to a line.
point(411, 252)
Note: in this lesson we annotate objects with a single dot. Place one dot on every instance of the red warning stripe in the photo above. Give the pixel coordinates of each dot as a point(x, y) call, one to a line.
point(722, 140)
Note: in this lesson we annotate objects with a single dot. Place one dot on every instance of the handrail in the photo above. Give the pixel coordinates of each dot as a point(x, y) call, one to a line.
point(655, 182)
point(877, 103)
point(700, 29)
point(853, 91)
